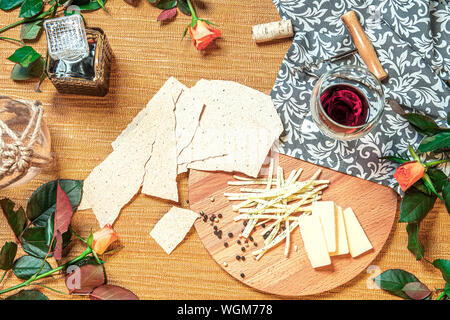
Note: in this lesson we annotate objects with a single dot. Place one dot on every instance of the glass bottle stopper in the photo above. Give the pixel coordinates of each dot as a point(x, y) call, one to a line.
point(66, 38)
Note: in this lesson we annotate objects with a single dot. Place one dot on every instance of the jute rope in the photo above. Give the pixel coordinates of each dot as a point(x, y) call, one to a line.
point(16, 156)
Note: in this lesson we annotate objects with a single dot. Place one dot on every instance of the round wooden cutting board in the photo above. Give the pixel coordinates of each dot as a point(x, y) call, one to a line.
point(374, 205)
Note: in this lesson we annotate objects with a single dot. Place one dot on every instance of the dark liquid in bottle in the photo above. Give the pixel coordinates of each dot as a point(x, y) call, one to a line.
point(83, 69)
point(345, 104)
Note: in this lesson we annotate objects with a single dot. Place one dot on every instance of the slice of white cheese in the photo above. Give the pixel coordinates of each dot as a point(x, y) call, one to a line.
point(341, 234)
point(325, 211)
point(314, 240)
point(358, 243)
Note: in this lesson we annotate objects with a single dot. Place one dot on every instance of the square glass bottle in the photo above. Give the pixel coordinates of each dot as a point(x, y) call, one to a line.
point(79, 59)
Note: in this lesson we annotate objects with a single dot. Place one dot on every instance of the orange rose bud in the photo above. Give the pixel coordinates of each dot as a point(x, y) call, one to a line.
point(409, 173)
point(202, 34)
point(103, 239)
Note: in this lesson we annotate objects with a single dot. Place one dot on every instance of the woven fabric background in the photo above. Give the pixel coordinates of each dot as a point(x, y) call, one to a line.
point(82, 128)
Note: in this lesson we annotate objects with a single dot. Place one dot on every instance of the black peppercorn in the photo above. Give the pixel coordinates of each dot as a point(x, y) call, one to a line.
point(243, 258)
point(230, 235)
point(238, 257)
point(242, 275)
point(243, 248)
point(225, 244)
point(239, 241)
point(220, 216)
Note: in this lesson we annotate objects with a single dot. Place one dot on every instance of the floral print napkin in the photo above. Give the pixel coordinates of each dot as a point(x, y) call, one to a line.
point(412, 40)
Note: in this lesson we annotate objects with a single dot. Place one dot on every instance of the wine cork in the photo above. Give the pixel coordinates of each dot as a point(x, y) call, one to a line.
point(272, 31)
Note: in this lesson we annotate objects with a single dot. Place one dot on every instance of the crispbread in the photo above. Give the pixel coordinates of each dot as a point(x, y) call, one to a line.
point(172, 228)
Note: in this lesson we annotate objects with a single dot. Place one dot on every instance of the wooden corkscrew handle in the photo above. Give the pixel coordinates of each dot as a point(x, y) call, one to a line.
point(363, 44)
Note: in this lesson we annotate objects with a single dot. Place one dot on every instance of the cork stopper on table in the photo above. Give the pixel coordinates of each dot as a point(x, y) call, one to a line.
point(272, 31)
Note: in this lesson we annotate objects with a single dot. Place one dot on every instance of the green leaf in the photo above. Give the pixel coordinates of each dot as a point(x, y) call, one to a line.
point(394, 280)
point(440, 141)
point(90, 240)
point(208, 22)
point(184, 7)
point(438, 178)
point(10, 4)
point(166, 4)
point(152, 1)
point(31, 30)
point(446, 196)
point(33, 71)
point(414, 244)
point(7, 255)
point(28, 295)
point(422, 187)
point(25, 267)
point(415, 205)
point(430, 186)
point(69, 13)
point(16, 219)
point(447, 289)
point(30, 8)
point(444, 266)
point(422, 124)
point(88, 5)
point(34, 242)
point(102, 4)
point(42, 202)
point(24, 56)
point(184, 33)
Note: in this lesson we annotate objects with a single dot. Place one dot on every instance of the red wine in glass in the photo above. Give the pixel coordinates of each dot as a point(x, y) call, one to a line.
point(347, 102)
point(345, 105)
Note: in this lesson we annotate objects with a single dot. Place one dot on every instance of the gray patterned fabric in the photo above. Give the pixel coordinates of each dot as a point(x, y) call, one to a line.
point(412, 41)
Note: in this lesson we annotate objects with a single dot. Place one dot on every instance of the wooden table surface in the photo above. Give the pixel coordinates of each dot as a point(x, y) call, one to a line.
point(82, 128)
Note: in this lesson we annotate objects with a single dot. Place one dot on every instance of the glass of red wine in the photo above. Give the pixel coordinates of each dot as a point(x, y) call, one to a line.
point(347, 102)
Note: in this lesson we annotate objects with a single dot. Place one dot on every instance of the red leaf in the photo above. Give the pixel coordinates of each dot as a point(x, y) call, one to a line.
point(167, 14)
point(57, 253)
point(416, 290)
point(63, 216)
point(84, 279)
point(110, 292)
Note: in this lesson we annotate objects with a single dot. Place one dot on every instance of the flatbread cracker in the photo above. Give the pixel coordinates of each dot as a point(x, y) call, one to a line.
point(172, 228)
point(114, 182)
point(237, 120)
point(160, 178)
point(143, 114)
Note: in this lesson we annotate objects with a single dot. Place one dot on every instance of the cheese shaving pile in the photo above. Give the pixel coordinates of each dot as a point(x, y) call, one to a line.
point(279, 203)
